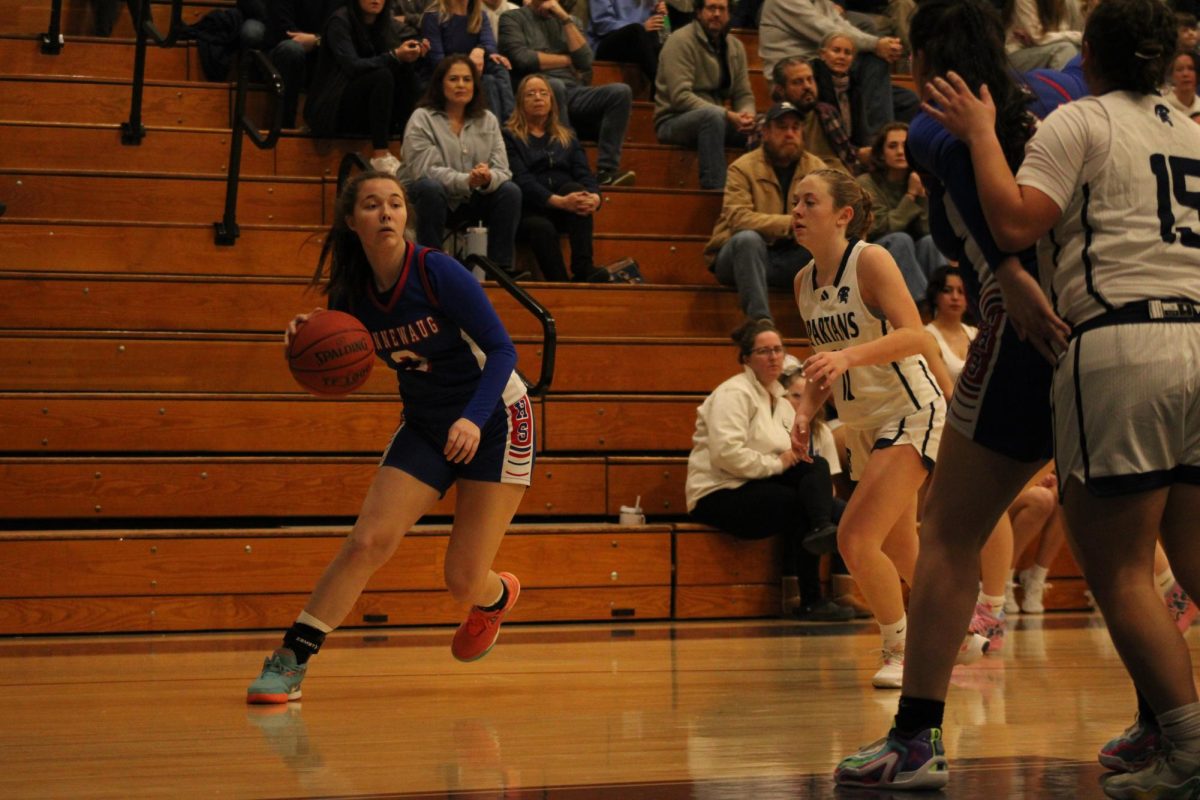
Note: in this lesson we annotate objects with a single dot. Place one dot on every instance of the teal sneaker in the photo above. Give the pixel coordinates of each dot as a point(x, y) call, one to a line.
point(1134, 749)
point(895, 762)
point(280, 679)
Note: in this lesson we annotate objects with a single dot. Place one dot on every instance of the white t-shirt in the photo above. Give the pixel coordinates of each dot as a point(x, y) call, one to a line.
point(1124, 168)
point(954, 364)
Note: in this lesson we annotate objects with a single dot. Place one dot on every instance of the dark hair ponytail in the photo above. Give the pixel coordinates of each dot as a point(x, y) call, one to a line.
point(967, 36)
point(1131, 43)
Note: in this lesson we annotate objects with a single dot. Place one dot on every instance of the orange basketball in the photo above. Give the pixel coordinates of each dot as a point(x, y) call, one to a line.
point(331, 354)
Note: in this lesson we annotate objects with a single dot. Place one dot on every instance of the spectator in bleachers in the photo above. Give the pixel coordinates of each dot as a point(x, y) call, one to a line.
point(752, 245)
point(366, 80)
point(835, 86)
point(888, 17)
point(1182, 92)
point(745, 479)
point(1041, 33)
point(543, 37)
point(629, 31)
point(411, 11)
point(701, 68)
point(493, 9)
point(558, 188)
point(1189, 34)
point(797, 27)
point(460, 27)
point(292, 38)
point(901, 210)
point(455, 165)
point(793, 81)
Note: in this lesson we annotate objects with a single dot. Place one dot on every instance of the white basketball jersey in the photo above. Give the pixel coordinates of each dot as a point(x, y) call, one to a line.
point(837, 318)
point(1125, 169)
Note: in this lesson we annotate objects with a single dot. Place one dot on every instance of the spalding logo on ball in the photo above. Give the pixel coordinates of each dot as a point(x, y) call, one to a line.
point(331, 354)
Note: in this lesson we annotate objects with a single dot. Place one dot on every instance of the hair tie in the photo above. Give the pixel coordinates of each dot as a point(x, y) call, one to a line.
point(1149, 52)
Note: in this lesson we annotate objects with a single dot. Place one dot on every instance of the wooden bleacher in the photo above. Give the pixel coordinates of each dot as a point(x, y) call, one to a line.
point(160, 470)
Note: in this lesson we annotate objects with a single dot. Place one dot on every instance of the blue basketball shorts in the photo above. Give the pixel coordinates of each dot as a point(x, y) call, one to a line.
point(505, 454)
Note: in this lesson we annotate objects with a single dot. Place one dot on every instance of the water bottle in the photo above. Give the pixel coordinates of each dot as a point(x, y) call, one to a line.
point(477, 246)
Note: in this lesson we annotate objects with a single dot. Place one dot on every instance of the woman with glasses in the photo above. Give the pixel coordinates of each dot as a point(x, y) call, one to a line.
point(745, 478)
point(558, 188)
point(879, 365)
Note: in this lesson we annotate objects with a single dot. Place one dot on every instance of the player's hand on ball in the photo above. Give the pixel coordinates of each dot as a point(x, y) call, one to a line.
point(462, 442)
point(294, 326)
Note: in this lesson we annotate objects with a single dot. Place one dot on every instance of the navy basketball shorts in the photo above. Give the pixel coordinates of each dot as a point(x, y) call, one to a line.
point(505, 453)
point(1127, 408)
point(1002, 398)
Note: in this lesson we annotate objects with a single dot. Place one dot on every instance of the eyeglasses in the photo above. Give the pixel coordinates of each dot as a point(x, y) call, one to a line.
point(537, 93)
point(768, 351)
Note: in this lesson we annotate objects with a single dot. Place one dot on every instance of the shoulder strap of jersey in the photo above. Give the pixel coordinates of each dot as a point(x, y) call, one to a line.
point(424, 274)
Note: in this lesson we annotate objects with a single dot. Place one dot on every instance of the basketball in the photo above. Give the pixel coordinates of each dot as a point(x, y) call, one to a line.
point(331, 354)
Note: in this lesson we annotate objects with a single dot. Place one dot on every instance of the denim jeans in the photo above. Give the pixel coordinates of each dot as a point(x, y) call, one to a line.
point(295, 66)
point(873, 77)
point(709, 130)
point(747, 263)
point(917, 259)
point(601, 112)
point(499, 211)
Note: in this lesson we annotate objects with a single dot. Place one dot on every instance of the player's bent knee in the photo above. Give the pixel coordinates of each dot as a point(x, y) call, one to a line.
point(465, 584)
point(369, 549)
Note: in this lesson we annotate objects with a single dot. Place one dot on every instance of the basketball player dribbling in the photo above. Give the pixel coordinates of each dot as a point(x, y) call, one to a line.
point(467, 422)
point(1113, 183)
point(875, 358)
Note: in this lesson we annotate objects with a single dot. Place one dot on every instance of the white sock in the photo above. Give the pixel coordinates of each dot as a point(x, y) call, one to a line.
point(1181, 726)
point(308, 619)
point(994, 603)
point(497, 600)
point(1164, 581)
point(893, 635)
point(1038, 573)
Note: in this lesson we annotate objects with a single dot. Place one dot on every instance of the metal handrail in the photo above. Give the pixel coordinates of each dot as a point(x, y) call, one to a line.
point(226, 231)
point(52, 40)
point(132, 131)
point(549, 332)
point(543, 315)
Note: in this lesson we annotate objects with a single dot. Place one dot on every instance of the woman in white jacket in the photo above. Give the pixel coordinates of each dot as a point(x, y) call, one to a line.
point(745, 478)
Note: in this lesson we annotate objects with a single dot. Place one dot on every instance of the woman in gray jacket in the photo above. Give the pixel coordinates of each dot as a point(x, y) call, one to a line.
point(455, 165)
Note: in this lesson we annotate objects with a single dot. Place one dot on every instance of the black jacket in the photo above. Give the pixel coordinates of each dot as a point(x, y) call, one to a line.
point(541, 166)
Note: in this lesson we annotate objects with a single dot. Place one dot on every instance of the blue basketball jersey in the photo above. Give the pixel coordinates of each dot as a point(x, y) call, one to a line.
point(437, 329)
point(956, 217)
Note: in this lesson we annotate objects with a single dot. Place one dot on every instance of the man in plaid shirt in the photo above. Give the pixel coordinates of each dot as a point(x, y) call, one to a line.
point(824, 134)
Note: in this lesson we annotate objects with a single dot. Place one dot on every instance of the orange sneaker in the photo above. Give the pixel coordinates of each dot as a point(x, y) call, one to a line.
point(477, 635)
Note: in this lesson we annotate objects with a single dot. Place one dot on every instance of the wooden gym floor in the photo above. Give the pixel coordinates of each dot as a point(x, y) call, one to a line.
point(757, 709)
